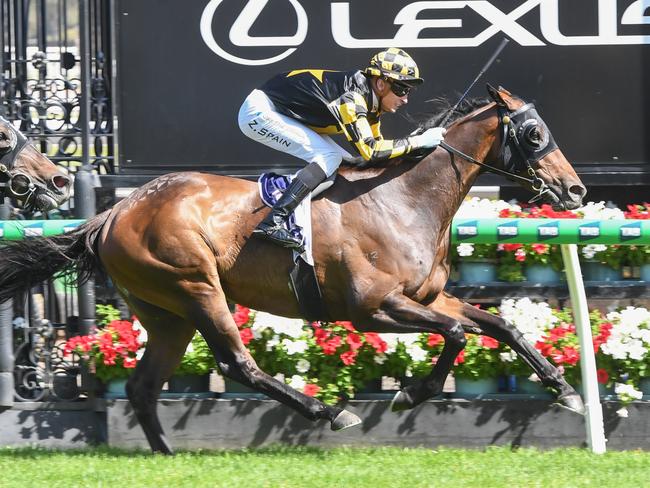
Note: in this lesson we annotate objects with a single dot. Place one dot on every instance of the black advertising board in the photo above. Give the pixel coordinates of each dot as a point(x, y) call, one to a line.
point(185, 66)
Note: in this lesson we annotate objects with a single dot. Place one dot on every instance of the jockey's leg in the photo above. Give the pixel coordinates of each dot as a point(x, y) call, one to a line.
point(259, 120)
point(273, 226)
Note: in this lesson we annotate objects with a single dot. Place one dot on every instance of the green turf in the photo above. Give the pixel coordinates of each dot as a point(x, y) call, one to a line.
point(309, 467)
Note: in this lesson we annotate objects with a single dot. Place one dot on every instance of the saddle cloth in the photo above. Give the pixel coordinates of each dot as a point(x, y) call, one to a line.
point(271, 186)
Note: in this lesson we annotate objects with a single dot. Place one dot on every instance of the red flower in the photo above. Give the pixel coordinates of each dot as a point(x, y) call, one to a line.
point(460, 358)
point(569, 355)
point(330, 346)
point(375, 341)
point(321, 335)
point(354, 341)
point(347, 325)
point(544, 348)
point(541, 248)
point(241, 315)
point(512, 247)
point(348, 358)
point(311, 389)
point(602, 376)
point(246, 335)
point(434, 340)
point(520, 255)
point(130, 362)
point(489, 343)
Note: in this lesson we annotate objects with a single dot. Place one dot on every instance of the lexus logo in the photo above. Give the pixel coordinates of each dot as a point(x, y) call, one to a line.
point(239, 32)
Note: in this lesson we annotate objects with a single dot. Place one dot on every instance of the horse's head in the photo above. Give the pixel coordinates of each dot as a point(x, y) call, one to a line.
point(527, 149)
point(27, 175)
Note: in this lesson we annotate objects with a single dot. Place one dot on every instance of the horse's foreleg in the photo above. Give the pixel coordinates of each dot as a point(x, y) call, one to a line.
point(214, 321)
point(503, 331)
point(399, 313)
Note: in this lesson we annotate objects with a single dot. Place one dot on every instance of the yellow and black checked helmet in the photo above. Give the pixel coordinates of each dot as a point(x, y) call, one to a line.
point(394, 63)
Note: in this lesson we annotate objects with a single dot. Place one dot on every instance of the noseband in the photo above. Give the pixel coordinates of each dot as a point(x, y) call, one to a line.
point(15, 184)
point(525, 139)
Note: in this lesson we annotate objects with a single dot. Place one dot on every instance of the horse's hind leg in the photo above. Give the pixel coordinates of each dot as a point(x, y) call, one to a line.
point(212, 317)
point(503, 331)
point(168, 336)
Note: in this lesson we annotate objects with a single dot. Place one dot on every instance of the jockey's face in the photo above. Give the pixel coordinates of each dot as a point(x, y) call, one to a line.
point(388, 100)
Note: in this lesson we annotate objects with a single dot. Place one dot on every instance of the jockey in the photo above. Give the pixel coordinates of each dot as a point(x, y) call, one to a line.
point(293, 112)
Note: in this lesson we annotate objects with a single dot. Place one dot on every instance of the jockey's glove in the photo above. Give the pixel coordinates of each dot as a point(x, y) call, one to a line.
point(429, 138)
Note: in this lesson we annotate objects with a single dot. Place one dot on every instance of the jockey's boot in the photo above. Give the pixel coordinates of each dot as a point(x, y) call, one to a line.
point(272, 227)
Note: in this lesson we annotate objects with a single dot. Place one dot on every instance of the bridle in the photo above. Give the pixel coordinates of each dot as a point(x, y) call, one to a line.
point(15, 184)
point(525, 140)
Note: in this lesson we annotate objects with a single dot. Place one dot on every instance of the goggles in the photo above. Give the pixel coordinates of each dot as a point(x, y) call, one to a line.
point(400, 89)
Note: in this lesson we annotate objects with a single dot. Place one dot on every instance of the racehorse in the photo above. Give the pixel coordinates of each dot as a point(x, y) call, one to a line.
point(27, 175)
point(180, 247)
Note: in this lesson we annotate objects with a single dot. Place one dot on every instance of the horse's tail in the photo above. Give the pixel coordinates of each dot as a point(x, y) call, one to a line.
point(28, 262)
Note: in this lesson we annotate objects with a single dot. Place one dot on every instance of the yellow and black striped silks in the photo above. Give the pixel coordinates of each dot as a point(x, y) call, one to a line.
point(333, 102)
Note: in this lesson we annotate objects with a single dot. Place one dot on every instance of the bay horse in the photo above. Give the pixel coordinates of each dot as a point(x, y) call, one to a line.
point(179, 248)
point(27, 175)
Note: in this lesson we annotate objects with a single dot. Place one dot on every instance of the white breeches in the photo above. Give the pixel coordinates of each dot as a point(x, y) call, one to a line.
point(260, 121)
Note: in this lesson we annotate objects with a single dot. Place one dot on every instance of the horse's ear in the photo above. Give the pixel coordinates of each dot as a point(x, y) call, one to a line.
point(496, 96)
point(503, 90)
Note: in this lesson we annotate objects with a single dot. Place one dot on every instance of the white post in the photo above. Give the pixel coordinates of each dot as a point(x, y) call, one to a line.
point(594, 412)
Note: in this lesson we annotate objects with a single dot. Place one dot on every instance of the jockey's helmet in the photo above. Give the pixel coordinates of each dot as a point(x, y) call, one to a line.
point(396, 64)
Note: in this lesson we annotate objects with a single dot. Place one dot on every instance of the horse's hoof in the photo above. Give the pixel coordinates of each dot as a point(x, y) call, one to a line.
point(345, 420)
point(572, 402)
point(401, 401)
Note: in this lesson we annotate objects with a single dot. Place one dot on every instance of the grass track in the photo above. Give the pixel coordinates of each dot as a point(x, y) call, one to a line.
point(331, 468)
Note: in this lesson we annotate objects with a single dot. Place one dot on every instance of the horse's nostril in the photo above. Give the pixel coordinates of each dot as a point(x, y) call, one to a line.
point(60, 181)
point(578, 190)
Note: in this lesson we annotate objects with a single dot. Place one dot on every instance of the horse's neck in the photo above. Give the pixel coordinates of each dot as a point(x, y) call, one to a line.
point(450, 177)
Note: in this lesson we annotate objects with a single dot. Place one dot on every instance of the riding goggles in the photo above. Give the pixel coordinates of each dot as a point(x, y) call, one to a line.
point(400, 89)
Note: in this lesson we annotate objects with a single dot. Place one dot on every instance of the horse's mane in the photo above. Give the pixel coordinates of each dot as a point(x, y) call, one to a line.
point(466, 107)
point(442, 106)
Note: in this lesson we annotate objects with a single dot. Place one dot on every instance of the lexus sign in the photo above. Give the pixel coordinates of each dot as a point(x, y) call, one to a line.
point(185, 67)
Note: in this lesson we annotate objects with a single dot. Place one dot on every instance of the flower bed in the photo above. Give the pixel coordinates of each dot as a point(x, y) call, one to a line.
point(513, 258)
point(332, 361)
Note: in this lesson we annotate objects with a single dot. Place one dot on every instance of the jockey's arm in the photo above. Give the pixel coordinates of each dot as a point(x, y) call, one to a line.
point(351, 110)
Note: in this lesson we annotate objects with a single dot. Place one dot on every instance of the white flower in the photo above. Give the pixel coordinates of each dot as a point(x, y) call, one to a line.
point(294, 347)
point(416, 352)
point(380, 358)
point(508, 356)
point(535, 378)
point(280, 325)
point(297, 382)
point(630, 334)
point(302, 366)
point(590, 250)
point(465, 249)
point(272, 342)
point(627, 392)
point(601, 211)
point(622, 412)
point(477, 208)
point(531, 319)
point(143, 332)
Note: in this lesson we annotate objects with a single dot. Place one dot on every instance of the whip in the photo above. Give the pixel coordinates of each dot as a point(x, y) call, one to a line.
point(498, 50)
